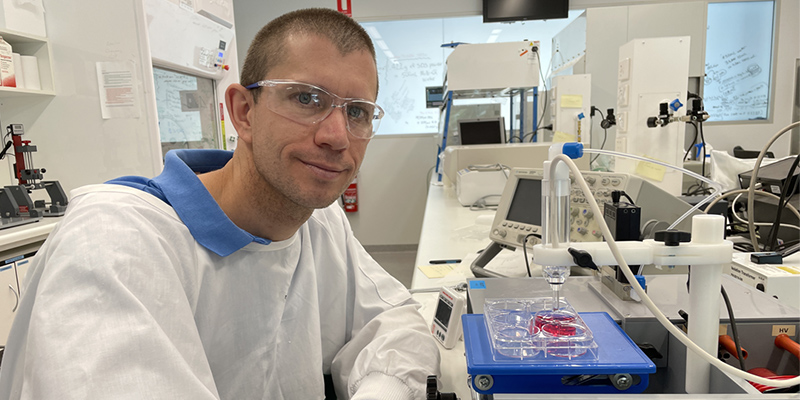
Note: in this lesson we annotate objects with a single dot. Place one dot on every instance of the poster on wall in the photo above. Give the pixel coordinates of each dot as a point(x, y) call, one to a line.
point(118, 95)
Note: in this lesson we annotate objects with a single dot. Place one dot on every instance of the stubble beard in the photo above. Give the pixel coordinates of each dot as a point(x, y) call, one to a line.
point(283, 191)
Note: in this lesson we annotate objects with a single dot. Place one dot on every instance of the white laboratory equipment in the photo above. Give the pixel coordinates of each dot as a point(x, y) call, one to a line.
point(651, 72)
point(693, 357)
point(570, 108)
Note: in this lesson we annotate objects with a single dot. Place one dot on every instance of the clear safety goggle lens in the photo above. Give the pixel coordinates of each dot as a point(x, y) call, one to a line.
point(308, 104)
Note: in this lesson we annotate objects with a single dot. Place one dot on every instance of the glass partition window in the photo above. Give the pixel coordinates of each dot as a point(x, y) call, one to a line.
point(410, 58)
point(738, 74)
point(187, 111)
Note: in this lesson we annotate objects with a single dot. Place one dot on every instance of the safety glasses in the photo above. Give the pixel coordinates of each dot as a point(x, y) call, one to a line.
point(308, 104)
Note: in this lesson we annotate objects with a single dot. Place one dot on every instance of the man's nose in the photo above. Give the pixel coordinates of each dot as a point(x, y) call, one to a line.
point(333, 131)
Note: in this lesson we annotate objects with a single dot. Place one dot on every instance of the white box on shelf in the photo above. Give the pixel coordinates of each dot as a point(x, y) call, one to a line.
point(30, 70)
point(24, 16)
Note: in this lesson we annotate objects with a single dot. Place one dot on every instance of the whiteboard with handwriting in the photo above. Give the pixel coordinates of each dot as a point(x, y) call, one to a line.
point(409, 58)
point(738, 60)
point(177, 122)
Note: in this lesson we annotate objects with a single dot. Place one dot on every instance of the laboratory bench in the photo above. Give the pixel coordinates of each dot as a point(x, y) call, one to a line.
point(451, 231)
point(22, 238)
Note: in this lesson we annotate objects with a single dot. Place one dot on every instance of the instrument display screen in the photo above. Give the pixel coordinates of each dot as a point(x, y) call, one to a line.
point(526, 204)
point(443, 312)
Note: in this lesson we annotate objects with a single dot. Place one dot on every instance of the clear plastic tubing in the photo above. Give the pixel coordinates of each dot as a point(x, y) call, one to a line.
point(716, 186)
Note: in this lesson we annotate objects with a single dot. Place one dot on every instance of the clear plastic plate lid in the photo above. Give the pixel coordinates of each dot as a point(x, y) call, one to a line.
point(533, 330)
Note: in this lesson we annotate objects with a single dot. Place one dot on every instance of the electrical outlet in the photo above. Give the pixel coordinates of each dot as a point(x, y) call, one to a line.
point(622, 122)
point(622, 94)
point(624, 70)
point(621, 144)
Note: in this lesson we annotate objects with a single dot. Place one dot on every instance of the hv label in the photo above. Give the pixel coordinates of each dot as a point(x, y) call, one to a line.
point(785, 329)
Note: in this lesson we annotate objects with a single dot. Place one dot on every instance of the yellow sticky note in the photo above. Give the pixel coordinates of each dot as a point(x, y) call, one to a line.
point(563, 137)
point(571, 101)
point(436, 271)
point(651, 171)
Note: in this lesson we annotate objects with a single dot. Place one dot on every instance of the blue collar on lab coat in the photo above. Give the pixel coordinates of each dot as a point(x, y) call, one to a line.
point(179, 186)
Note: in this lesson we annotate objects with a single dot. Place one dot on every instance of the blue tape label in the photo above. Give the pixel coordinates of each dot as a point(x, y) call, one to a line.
point(11, 260)
point(477, 284)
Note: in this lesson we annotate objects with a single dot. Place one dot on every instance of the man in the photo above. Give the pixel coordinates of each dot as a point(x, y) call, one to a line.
point(241, 282)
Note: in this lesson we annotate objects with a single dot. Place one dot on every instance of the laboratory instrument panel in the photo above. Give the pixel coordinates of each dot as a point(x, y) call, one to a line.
point(519, 211)
point(446, 325)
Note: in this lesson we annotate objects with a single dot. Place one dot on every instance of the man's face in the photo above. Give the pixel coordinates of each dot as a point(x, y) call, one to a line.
point(311, 165)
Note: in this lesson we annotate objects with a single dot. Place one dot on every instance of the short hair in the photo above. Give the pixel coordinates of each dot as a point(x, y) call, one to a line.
point(268, 47)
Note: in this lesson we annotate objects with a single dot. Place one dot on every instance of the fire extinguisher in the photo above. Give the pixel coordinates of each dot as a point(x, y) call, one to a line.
point(350, 196)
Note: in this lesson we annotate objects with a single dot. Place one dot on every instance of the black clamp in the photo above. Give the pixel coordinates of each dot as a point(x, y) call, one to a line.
point(432, 391)
point(663, 117)
point(673, 237)
point(610, 120)
point(582, 258)
point(697, 113)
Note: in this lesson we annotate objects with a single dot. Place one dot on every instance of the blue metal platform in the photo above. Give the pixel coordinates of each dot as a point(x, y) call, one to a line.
point(617, 354)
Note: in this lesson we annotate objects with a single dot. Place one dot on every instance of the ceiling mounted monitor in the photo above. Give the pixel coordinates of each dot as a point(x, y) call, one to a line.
point(523, 10)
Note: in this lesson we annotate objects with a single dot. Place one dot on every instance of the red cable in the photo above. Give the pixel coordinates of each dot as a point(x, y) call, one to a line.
point(783, 341)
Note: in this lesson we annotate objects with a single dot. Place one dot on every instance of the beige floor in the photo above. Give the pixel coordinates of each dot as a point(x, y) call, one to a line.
point(399, 263)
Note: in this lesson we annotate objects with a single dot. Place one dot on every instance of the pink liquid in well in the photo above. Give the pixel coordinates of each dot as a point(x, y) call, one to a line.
point(555, 323)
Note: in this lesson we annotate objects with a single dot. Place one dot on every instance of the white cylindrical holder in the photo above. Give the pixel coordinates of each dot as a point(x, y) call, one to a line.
point(704, 293)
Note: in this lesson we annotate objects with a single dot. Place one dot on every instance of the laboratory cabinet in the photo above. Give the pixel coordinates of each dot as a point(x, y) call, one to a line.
point(8, 299)
point(11, 274)
point(17, 247)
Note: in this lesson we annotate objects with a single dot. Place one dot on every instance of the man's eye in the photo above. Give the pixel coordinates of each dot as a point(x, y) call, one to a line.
point(305, 98)
point(356, 112)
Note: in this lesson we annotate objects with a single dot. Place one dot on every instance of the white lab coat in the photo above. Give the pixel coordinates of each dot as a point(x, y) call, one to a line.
point(122, 303)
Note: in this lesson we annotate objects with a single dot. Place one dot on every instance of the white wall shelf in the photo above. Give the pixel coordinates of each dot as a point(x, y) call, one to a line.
point(31, 45)
point(16, 93)
point(19, 37)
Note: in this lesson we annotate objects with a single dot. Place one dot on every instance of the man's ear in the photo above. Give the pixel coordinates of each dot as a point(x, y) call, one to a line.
point(240, 106)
